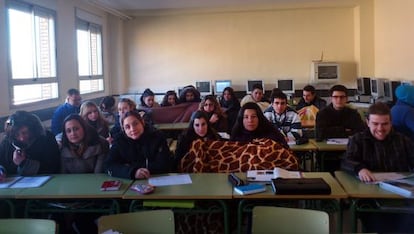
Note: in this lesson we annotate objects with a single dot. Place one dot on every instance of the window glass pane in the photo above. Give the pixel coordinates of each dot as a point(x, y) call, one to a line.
point(88, 86)
point(21, 44)
point(36, 92)
point(83, 52)
point(45, 45)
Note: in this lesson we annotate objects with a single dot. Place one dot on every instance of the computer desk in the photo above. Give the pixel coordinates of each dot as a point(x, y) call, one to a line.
point(247, 202)
point(204, 186)
point(358, 191)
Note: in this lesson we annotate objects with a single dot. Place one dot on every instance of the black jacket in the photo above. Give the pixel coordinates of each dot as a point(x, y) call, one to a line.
point(331, 123)
point(43, 157)
point(149, 151)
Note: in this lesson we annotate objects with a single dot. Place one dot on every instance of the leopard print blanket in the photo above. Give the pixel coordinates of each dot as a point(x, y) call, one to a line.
point(230, 156)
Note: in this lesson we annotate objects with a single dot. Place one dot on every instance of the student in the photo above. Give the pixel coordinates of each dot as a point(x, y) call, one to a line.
point(83, 150)
point(216, 117)
point(337, 120)
point(139, 151)
point(107, 109)
point(90, 113)
point(310, 98)
point(231, 104)
point(124, 105)
point(170, 98)
point(403, 111)
point(252, 124)
point(148, 99)
point(380, 149)
point(257, 96)
point(189, 94)
point(283, 118)
point(28, 149)
point(71, 106)
point(198, 128)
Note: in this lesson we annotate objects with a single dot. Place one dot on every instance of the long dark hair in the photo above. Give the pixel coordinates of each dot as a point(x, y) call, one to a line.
point(264, 125)
point(190, 133)
point(20, 119)
point(90, 137)
point(165, 98)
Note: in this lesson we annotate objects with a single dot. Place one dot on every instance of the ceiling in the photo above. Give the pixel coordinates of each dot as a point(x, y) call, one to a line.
point(127, 8)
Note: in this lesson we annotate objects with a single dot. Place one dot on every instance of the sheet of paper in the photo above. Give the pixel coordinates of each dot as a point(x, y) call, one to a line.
point(170, 180)
point(337, 141)
point(9, 181)
point(382, 176)
point(31, 182)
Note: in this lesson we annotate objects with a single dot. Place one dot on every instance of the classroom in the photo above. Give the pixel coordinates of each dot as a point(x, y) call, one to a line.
point(169, 47)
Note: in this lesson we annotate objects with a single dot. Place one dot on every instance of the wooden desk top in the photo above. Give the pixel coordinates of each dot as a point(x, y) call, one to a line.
point(323, 146)
point(203, 186)
point(9, 192)
point(74, 186)
point(337, 190)
point(357, 189)
point(304, 147)
point(172, 126)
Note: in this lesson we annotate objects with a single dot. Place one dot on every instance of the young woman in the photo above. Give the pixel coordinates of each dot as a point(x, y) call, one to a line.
point(170, 98)
point(90, 113)
point(231, 105)
point(252, 124)
point(215, 115)
point(189, 94)
point(83, 150)
point(28, 149)
point(107, 108)
point(124, 105)
point(139, 151)
point(148, 99)
point(198, 128)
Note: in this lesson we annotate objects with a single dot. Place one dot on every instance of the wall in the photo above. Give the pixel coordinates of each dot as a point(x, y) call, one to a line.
point(394, 39)
point(170, 50)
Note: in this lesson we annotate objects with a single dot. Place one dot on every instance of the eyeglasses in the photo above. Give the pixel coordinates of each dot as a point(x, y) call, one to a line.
point(339, 97)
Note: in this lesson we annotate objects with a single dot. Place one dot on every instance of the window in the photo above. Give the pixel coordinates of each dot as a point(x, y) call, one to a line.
point(32, 51)
point(89, 39)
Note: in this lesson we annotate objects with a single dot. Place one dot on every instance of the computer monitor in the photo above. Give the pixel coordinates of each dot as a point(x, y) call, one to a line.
point(204, 87)
point(251, 83)
point(389, 90)
point(377, 88)
point(364, 86)
point(220, 85)
point(287, 86)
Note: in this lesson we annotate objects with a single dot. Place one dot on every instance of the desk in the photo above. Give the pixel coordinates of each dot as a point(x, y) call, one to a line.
point(204, 186)
point(305, 151)
point(5, 195)
point(71, 187)
point(336, 194)
point(172, 126)
point(358, 191)
point(323, 148)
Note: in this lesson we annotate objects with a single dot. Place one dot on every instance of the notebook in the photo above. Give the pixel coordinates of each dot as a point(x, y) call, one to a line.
point(300, 186)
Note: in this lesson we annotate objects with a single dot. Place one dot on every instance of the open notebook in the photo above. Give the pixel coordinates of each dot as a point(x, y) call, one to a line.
point(24, 181)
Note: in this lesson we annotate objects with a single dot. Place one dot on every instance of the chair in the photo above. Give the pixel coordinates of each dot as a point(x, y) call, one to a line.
point(268, 219)
point(152, 221)
point(21, 226)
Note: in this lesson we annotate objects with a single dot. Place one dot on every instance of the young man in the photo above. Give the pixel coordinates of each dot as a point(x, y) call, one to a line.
point(309, 98)
point(257, 96)
point(337, 120)
point(283, 117)
point(380, 149)
point(71, 106)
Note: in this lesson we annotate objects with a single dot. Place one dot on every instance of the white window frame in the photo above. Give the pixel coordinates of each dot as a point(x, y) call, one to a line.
point(44, 79)
point(92, 78)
